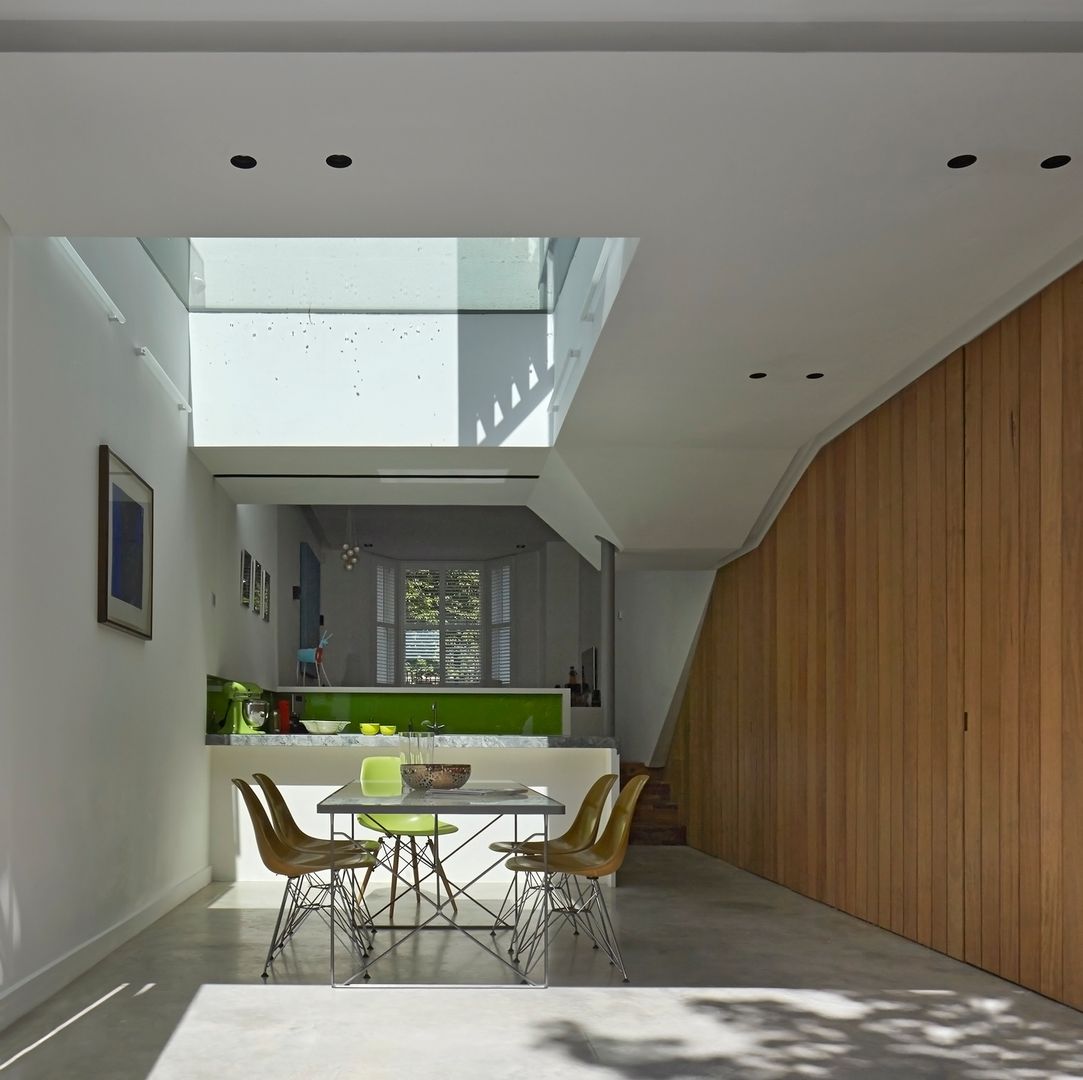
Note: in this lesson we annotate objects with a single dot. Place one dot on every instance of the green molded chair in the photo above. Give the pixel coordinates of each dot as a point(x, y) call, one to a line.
point(381, 775)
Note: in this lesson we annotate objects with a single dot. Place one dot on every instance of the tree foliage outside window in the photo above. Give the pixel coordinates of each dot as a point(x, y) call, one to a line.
point(442, 626)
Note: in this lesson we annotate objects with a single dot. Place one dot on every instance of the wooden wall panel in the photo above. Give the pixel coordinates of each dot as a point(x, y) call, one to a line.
point(885, 711)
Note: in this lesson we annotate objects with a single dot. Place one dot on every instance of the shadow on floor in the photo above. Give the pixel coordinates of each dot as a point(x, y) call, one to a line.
point(785, 1033)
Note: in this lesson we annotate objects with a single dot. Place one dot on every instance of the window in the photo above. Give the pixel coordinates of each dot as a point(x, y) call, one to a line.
point(442, 626)
point(500, 624)
point(386, 624)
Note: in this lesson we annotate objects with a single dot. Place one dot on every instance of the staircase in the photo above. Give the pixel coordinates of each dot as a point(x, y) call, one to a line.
point(656, 818)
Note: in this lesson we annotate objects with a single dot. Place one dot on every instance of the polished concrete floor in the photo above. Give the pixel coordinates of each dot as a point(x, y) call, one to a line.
point(731, 977)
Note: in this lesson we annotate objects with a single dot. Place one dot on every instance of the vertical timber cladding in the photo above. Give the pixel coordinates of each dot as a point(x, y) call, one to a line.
point(926, 574)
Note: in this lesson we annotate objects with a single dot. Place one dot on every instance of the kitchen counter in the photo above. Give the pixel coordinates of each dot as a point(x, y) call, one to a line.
point(391, 743)
point(561, 766)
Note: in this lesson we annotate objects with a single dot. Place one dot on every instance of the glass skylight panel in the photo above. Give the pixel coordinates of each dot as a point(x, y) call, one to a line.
point(365, 275)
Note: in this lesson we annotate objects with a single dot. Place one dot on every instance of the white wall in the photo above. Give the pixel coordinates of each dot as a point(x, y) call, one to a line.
point(547, 614)
point(13, 910)
point(292, 530)
point(527, 619)
point(103, 773)
point(659, 615)
point(246, 643)
point(348, 600)
point(561, 612)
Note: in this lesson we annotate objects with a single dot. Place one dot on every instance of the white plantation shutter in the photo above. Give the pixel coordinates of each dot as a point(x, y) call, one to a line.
point(500, 624)
point(386, 624)
point(462, 626)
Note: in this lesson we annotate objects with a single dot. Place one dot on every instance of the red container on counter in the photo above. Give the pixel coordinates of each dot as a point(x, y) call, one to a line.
point(283, 716)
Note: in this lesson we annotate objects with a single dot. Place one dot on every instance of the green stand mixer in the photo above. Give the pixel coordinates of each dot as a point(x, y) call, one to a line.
point(246, 709)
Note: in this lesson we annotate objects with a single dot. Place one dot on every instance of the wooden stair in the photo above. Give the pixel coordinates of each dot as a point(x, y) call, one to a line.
point(657, 816)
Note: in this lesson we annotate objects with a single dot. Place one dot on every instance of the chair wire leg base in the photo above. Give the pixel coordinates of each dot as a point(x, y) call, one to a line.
point(584, 908)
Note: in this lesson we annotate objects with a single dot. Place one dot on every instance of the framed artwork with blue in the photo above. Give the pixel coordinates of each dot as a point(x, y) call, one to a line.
point(125, 546)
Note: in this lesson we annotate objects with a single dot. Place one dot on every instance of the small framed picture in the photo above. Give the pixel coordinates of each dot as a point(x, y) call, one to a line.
point(266, 596)
point(125, 546)
point(257, 587)
point(246, 578)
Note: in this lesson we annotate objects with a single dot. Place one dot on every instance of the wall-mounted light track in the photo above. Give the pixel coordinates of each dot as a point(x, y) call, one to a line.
point(160, 374)
point(96, 287)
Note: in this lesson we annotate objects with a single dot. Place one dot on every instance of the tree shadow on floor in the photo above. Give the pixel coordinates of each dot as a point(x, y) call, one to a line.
point(767, 1034)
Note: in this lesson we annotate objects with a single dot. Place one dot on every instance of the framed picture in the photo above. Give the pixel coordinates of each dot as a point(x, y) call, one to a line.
point(257, 587)
point(125, 546)
point(246, 578)
point(266, 596)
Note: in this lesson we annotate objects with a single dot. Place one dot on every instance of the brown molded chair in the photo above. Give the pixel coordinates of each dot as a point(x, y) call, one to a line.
point(587, 908)
point(306, 893)
point(289, 831)
point(581, 834)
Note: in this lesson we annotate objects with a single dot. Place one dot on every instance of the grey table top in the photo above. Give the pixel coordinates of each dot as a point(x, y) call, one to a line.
point(474, 797)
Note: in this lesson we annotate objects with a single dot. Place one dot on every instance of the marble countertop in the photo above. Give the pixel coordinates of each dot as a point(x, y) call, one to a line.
point(392, 743)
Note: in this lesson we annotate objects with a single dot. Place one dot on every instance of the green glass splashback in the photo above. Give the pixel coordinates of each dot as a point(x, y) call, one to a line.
point(460, 714)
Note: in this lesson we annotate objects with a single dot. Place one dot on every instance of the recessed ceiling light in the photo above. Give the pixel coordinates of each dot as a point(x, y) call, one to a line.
point(815, 375)
point(1057, 161)
point(339, 161)
point(242, 161)
point(962, 161)
point(758, 375)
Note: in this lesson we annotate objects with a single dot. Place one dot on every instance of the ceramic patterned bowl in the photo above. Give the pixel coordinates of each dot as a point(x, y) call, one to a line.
point(435, 777)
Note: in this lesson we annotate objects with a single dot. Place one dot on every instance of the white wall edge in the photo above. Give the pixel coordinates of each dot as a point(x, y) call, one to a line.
point(32, 990)
point(1029, 287)
point(660, 755)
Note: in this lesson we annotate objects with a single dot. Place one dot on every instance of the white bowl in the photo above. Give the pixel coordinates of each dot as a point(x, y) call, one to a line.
point(325, 727)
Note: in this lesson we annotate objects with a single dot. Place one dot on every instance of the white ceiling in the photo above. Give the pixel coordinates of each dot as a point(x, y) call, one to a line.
point(793, 208)
point(435, 532)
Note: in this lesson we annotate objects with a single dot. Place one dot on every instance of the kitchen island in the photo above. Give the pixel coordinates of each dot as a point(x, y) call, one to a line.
point(310, 767)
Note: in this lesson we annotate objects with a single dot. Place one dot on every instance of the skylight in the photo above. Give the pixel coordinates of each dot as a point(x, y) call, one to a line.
point(365, 275)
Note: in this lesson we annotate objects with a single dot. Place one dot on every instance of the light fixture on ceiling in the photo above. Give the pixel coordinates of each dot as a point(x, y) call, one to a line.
point(242, 161)
point(758, 375)
point(350, 551)
point(96, 287)
point(1057, 161)
point(815, 375)
point(962, 161)
point(161, 375)
point(339, 161)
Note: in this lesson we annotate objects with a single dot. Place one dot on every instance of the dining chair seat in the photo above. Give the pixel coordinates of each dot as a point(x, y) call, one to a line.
point(288, 829)
point(306, 892)
point(381, 775)
point(556, 891)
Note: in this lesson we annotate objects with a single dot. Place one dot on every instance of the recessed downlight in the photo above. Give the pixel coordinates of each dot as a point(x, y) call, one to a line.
point(1057, 161)
point(962, 161)
point(242, 161)
point(758, 375)
point(815, 375)
point(339, 161)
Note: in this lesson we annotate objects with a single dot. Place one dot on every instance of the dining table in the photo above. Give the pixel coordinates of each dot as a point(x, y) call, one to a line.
point(487, 800)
